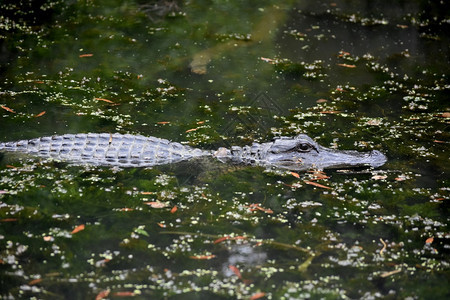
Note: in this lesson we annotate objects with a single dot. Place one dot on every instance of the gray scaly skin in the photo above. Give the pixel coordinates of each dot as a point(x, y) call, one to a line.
point(299, 153)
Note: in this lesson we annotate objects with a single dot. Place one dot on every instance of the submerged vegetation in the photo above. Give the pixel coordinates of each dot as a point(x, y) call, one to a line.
point(352, 74)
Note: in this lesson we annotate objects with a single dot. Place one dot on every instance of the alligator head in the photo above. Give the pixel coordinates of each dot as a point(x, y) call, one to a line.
point(303, 153)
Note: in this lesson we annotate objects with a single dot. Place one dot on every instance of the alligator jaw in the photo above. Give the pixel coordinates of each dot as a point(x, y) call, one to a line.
point(335, 159)
point(303, 153)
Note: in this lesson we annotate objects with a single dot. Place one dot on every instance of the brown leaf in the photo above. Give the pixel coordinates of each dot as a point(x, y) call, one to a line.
point(8, 220)
point(156, 204)
point(104, 100)
point(257, 295)
point(40, 114)
point(346, 66)
point(78, 229)
point(202, 256)
point(317, 184)
point(125, 209)
point(48, 238)
point(102, 295)
point(147, 193)
point(35, 281)
point(7, 109)
point(379, 177)
point(235, 271)
point(296, 175)
point(219, 240)
point(343, 53)
point(124, 294)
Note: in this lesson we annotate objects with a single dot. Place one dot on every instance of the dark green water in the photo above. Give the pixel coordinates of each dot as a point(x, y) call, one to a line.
point(352, 74)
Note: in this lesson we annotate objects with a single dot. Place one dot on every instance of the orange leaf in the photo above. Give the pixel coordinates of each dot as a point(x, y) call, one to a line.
point(78, 229)
point(7, 109)
point(219, 240)
point(48, 238)
point(200, 122)
point(317, 184)
point(147, 193)
point(346, 66)
point(8, 220)
point(35, 281)
point(103, 99)
point(235, 271)
point(203, 256)
point(429, 240)
point(86, 55)
point(257, 296)
point(126, 209)
point(40, 114)
point(123, 294)
point(102, 295)
point(156, 204)
point(174, 209)
point(342, 53)
point(163, 122)
point(193, 129)
point(296, 175)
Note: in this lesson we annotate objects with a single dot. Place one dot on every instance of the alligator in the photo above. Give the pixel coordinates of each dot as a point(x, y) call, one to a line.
point(299, 153)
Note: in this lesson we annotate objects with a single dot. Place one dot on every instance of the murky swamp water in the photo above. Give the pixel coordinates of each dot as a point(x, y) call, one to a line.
point(351, 74)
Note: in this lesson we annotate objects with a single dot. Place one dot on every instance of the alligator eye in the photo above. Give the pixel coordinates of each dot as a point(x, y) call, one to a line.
point(303, 147)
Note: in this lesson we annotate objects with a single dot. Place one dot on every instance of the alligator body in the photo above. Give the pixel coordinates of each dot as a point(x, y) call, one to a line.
point(124, 150)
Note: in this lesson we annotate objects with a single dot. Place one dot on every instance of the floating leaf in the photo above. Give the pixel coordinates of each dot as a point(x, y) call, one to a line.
point(235, 271)
point(257, 295)
point(317, 184)
point(156, 204)
point(124, 294)
point(379, 177)
point(202, 256)
point(7, 109)
point(35, 281)
point(102, 295)
point(104, 100)
point(219, 240)
point(78, 229)
point(346, 66)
